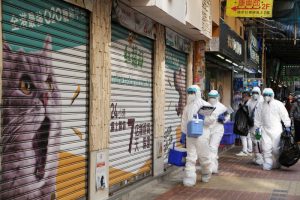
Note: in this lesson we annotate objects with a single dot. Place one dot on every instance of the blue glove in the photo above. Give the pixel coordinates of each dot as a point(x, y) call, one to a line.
point(201, 116)
point(183, 138)
point(257, 130)
point(221, 118)
point(288, 130)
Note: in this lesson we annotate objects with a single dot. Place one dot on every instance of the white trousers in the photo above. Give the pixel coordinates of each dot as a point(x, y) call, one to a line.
point(247, 143)
point(198, 148)
point(270, 146)
point(216, 134)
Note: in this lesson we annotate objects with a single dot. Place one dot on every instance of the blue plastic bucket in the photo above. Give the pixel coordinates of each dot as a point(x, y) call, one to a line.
point(228, 127)
point(177, 156)
point(195, 127)
point(228, 139)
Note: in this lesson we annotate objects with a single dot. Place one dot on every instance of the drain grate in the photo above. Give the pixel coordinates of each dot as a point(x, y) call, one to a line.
point(279, 195)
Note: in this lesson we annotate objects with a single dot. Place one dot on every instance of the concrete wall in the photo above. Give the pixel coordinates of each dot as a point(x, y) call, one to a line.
point(216, 11)
point(100, 70)
point(236, 25)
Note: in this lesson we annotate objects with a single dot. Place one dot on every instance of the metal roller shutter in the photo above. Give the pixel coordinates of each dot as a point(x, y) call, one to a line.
point(130, 150)
point(45, 100)
point(175, 96)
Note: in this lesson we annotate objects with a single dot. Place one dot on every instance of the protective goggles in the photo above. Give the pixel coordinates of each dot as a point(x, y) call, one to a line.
point(191, 92)
point(254, 93)
point(267, 95)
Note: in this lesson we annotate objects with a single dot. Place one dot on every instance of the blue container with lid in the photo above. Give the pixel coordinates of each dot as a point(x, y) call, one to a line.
point(177, 156)
point(195, 127)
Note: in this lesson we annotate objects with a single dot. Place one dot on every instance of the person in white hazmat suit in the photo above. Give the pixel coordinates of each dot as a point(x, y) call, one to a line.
point(268, 117)
point(252, 104)
point(196, 147)
point(219, 116)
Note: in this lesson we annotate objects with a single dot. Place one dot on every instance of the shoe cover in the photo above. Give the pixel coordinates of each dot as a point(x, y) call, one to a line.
point(215, 169)
point(189, 181)
point(258, 161)
point(198, 168)
point(267, 166)
point(205, 178)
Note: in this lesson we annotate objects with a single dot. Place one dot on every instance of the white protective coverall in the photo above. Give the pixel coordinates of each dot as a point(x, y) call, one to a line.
point(216, 128)
point(253, 104)
point(268, 117)
point(196, 147)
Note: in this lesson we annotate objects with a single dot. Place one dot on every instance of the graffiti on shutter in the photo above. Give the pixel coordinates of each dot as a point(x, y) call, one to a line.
point(175, 96)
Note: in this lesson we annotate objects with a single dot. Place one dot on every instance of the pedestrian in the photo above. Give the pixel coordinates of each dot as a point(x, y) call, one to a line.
point(289, 102)
point(268, 118)
point(252, 104)
point(219, 116)
point(246, 140)
point(295, 115)
point(196, 147)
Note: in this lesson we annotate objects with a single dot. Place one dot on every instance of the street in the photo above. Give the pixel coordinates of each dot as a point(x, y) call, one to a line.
point(238, 179)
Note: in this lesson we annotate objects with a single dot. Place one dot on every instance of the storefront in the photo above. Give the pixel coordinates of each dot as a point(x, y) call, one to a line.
point(131, 135)
point(223, 61)
point(45, 95)
point(253, 57)
point(177, 48)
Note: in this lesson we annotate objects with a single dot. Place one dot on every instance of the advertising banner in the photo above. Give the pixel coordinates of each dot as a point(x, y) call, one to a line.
point(249, 8)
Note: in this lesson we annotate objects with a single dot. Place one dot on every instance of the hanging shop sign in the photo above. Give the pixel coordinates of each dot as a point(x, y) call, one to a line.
point(253, 48)
point(231, 44)
point(45, 98)
point(249, 8)
point(214, 44)
point(132, 19)
point(206, 18)
point(176, 41)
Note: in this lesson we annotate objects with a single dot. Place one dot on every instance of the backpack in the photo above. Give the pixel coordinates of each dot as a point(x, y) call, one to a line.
point(290, 152)
point(241, 121)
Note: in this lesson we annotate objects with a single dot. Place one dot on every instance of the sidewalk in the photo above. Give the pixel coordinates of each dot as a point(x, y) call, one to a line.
point(238, 179)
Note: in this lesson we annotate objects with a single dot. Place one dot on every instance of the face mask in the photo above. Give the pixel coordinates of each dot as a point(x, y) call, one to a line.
point(191, 98)
point(212, 101)
point(255, 96)
point(267, 99)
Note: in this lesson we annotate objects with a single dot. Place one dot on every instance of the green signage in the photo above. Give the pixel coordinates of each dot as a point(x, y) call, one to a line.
point(31, 24)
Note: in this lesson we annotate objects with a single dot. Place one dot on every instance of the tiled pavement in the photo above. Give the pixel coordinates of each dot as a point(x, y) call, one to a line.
point(238, 179)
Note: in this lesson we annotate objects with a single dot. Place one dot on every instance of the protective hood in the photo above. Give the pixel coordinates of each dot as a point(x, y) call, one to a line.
point(213, 97)
point(268, 94)
point(256, 89)
point(256, 96)
point(193, 97)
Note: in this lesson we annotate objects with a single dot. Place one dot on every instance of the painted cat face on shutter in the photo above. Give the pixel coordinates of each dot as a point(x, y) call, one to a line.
point(31, 123)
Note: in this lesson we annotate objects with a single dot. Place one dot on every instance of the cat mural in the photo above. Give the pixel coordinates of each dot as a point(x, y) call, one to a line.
point(31, 124)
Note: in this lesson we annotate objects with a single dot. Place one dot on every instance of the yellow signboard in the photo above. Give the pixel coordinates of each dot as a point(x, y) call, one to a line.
point(249, 8)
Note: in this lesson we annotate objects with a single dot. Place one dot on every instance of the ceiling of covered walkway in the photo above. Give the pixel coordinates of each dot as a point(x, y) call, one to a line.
point(282, 32)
